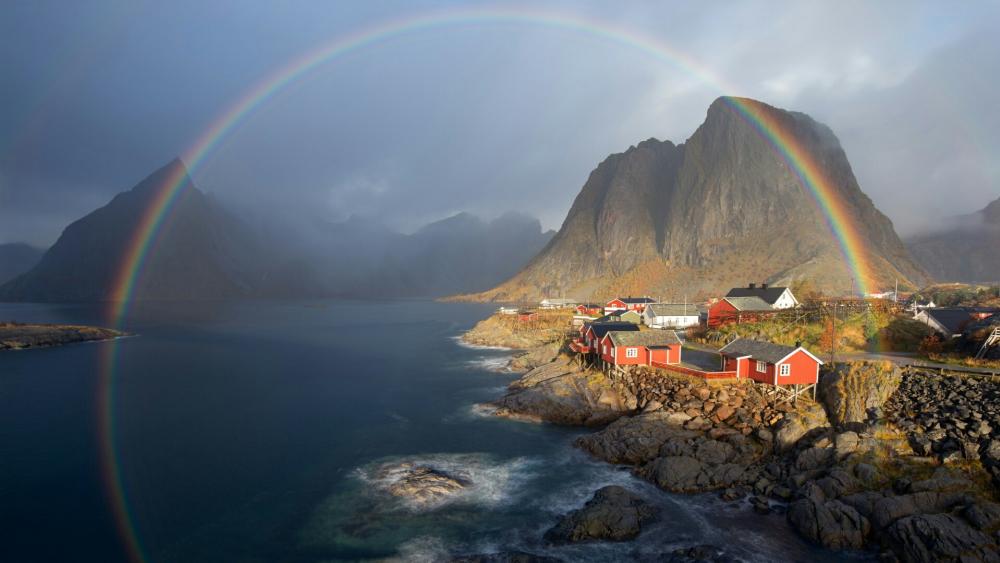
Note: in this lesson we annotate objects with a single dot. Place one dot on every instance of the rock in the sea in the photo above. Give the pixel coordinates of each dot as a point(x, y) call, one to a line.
point(613, 514)
point(940, 538)
point(832, 523)
point(420, 485)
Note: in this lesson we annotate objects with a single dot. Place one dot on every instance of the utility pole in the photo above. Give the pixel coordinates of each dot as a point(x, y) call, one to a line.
point(895, 292)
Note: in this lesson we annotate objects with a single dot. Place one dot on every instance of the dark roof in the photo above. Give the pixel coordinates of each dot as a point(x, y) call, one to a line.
point(636, 300)
point(757, 349)
point(648, 338)
point(953, 319)
point(751, 303)
point(769, 294)
point(600, 329)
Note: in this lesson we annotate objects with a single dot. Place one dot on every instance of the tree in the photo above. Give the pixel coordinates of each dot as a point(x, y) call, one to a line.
point(828, 339)
point(931, 345)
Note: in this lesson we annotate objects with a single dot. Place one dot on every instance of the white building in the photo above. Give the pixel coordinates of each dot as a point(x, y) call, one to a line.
point(557, 303)
point(671, 315)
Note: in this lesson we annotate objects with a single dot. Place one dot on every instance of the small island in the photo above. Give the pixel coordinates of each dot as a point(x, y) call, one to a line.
point(20, 336)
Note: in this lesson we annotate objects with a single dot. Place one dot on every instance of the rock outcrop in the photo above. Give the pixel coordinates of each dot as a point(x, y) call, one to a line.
point(613, 514)
point(850, 391)
point(563, 393)
point(420, 485)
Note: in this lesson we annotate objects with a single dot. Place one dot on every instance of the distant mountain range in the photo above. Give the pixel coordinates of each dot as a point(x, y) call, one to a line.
point(714, 212)
point(967, 251)
point(204, 251)
point(17, 258)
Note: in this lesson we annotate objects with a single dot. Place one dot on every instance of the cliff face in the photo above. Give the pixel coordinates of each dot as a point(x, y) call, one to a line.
point(720, 210)
point(967, 252)
point(201, 252)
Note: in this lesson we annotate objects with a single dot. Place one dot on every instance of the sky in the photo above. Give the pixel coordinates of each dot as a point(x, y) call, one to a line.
point(479, 114)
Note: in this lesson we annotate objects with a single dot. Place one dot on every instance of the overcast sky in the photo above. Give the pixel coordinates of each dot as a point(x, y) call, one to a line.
point(482, 116)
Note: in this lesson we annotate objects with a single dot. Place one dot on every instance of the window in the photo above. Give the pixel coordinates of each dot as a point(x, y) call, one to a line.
point(631, 352)
point(761, 367)
point(785, 370)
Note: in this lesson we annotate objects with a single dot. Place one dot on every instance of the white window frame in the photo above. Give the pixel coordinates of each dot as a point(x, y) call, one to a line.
point(761, 366)
point(631, 352)
point(784, 370)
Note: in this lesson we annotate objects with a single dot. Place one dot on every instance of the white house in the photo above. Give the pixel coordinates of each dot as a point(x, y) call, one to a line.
point(776, 297)
point(671, 315)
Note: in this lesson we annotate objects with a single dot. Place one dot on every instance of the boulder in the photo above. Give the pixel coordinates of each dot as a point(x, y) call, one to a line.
point(614, 514)
point(675, 473)
point(797, 424)
point(634, 440)
point(983, 515)
point(889, 509)
point(561, 393)
point(940, 538)
point(832, 524)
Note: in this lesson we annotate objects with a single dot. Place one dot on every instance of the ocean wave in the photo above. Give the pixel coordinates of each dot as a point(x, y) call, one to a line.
point(491, 363)
point(470, 346)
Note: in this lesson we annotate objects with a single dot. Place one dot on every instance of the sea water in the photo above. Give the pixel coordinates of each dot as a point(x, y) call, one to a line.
point(256, 432)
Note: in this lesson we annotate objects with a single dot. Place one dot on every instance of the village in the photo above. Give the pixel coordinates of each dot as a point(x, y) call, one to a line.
point(835, 413)
point(640, 331)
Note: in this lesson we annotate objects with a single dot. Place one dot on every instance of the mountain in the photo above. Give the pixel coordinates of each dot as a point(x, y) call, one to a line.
point(17, 258)
point(714, 212)
point(462, 253)
point(201, 251)
point(966, 251)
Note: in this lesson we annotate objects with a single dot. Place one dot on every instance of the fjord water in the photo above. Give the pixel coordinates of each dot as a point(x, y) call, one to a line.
point(253, 432)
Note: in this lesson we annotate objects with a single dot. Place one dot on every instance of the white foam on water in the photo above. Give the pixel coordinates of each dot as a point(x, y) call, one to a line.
point(422, 549)
point(490, 483)
point(470, 346)
point(491, 363)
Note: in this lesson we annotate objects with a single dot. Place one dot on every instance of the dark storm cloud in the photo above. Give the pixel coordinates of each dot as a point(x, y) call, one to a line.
point(478, 117)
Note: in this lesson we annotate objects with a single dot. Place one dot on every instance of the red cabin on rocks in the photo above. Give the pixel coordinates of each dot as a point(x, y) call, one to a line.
point(637, 304)
point(595, 332)
point(738, 310)
point(771, 363)
point(634, 348)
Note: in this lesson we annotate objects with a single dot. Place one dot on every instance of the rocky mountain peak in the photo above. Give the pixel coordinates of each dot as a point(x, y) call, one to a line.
point(701, 216)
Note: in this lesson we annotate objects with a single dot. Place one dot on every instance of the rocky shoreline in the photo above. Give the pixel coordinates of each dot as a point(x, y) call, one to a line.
point(19, 336)
point(901, 464)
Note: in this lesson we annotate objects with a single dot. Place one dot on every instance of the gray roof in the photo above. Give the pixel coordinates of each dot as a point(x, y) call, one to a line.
point(672, 310)
point(768, 294)
point(750, 304)
point(647, 338)
point(757, 349)
point(600, 329)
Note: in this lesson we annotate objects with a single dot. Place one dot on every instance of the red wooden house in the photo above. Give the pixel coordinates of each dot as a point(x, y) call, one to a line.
point(738, 310)
point(527, 316)
point(771, 363)
point(634, 348)
point(637, 304)
point(594, 332)
point(591, 309)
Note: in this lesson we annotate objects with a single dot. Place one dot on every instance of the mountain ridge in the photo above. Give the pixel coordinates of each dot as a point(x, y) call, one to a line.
point(715, 211)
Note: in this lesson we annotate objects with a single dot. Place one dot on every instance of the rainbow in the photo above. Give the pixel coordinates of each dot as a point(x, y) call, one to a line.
point(808, 172)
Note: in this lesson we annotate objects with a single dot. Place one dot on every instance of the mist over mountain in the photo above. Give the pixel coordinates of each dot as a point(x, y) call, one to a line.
point(714, 212)
point(206, 251)
point(17, 258)
point(967, 249)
